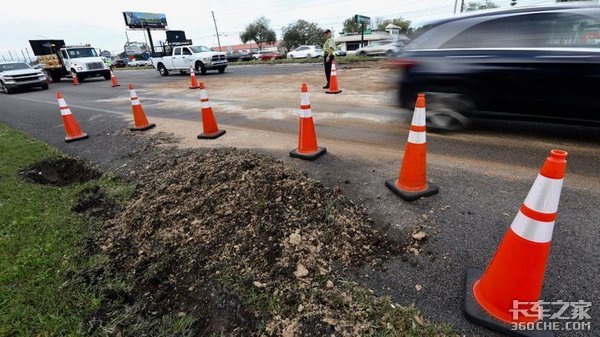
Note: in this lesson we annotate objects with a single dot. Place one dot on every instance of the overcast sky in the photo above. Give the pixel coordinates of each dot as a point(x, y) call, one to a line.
point(101, 23)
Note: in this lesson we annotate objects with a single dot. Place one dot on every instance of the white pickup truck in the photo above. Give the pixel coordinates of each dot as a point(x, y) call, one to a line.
point(183, 57)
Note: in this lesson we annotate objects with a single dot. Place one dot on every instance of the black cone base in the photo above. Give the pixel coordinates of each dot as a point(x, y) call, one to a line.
point(308, 156)
point(82, 136)
point(143, 128)
point(432, 189)
point(213, 135)
point(476, 314)
point(333, 92)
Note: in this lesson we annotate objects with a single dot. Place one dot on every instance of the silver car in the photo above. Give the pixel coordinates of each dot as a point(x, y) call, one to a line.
point(20, 75)
point(382, 47)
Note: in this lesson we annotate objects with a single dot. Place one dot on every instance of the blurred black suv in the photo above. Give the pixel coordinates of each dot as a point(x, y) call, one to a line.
point(540, 63)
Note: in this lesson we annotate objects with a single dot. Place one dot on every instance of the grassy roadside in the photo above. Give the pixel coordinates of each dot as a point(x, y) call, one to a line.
point(41, 246)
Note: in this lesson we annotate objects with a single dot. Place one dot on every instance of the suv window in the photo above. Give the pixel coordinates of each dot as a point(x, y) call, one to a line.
point(555, 30)
point(177, 51)
point(302, 48)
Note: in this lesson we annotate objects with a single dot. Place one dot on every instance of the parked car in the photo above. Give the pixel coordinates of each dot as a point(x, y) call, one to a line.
point(382, 47)
point(271, 56)
point(339, 52)
point(305, 51)
point(139, 63)
point(539, 64)
point(20, 75)
point(119, 64)
point(258, 54)
point(238, 56)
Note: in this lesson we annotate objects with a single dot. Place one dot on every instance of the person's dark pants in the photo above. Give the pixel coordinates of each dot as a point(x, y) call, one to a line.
point(328, 67)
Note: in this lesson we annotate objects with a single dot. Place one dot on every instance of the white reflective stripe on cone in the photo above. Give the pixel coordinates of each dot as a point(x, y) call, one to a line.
point(544, 194)
point(532, 230)
point(135, 102)
point(203, 94)
point(416, 137)
point(205, 105)
point(305, 113)
point(65, 112)
point(62, 102)
point(418, 117)
point(305, 99)
point(333, 73)
point(132, 94)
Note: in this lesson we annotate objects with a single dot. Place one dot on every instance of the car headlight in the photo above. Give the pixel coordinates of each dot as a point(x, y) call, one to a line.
point(207, 59)
point(79, 68)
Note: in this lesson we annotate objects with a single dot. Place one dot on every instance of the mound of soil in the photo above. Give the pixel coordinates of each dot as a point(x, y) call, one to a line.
point(251, 224)
point(60, 172)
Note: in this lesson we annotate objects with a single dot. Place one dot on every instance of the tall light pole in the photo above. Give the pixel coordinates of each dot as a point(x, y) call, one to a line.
point(216, 30)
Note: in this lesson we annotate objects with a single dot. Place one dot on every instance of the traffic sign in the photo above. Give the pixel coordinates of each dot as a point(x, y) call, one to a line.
point(362, 19)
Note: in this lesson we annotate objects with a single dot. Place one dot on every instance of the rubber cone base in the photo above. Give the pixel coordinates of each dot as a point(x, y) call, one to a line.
point(114, 86)
point(432, 189)
point(194, 87)
point(308, 156)
point(143, 128)
point(213, 135)
point(476, 314)
point(72, 139)
point(333, 92)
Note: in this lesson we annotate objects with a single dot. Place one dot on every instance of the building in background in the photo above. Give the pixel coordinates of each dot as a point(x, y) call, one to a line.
point(247, 48)
point(349, 42)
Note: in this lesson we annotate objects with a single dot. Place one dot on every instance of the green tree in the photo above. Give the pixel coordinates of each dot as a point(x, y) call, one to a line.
point(259, 32)
point(400, 22)
point(477, 6)
point(302, 32)
point(351, 27)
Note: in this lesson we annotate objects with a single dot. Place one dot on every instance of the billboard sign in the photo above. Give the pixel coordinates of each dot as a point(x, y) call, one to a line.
point(362, 19)
point(145, 20)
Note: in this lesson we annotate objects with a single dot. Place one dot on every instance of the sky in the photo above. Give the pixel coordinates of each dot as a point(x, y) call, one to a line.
point(101, 23)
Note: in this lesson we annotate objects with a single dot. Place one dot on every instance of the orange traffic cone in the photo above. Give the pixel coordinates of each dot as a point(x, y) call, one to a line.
point(209, 123)
point(507, 293)
point(307, 137)
point(194, 84)
point(75, 80)
point(72, 129)
point(412, 182)
point(139, 116)
point(333, 84)
point(113, 79)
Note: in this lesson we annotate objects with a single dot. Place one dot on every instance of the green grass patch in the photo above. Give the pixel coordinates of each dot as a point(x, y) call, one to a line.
point(41, 245)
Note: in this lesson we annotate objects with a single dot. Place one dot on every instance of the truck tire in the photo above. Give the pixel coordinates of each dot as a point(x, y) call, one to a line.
point(45, 86)
point(200, 68)
point(221, 69)
point(80, 77)
point(107, 75)
point(162, 70)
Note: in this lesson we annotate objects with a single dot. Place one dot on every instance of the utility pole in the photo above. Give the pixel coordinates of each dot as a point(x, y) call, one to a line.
point(216, 30)
point(462, 5)
point(455, 5)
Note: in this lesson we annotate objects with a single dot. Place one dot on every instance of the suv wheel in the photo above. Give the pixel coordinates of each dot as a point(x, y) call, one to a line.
point(5, 89)
point(445, 111)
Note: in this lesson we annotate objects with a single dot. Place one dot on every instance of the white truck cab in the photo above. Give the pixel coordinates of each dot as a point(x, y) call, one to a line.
point(84, 61)
point(182, 58)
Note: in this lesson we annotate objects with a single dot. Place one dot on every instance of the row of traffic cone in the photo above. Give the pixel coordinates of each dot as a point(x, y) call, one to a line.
point(517, 269)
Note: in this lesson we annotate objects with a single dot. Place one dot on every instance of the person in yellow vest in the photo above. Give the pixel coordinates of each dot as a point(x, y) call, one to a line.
point(328, 55)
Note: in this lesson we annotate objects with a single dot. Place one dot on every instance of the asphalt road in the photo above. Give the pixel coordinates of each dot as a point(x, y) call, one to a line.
point(484, 174)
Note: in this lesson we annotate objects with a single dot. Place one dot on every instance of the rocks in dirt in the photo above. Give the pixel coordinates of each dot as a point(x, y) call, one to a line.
point(59, 172)
point(301, 271)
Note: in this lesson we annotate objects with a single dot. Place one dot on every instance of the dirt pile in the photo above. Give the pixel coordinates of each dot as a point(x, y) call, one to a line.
point(249, 224)
point(59, 172)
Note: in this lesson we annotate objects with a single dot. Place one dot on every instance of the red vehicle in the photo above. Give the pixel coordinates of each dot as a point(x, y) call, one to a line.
point(271, 56)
